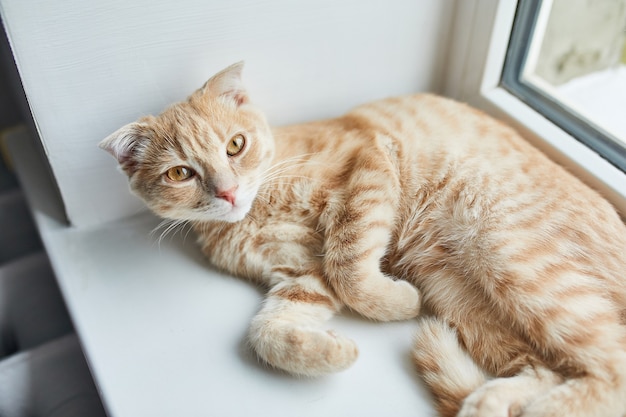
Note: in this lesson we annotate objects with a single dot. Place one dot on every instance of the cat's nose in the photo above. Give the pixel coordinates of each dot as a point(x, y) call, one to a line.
point(228, 195)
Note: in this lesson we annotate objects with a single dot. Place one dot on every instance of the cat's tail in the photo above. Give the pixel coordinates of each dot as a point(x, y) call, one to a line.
point(446, 368)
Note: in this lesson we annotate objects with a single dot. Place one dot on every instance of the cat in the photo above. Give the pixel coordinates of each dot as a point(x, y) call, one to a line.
point(401, 205)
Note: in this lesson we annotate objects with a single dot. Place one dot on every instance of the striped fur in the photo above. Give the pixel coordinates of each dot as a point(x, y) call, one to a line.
point(406, 203)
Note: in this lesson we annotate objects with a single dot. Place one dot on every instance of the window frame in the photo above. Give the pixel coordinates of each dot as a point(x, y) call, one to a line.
point(478, 51)
point(524, 27)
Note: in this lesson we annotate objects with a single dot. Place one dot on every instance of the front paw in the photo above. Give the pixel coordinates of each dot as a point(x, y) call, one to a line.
point(385, 300)
point(301, 350)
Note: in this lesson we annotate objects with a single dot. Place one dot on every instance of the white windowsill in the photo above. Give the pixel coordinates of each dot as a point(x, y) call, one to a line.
point(164, 333)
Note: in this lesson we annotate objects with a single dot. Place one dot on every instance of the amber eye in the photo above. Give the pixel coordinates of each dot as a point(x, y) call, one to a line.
point(235, 145)
point(179, 173)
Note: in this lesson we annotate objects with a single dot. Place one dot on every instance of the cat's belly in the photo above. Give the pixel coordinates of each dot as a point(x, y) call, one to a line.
point(449, 257)
point(485, 331)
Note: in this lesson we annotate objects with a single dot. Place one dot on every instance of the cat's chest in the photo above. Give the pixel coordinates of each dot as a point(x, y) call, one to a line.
point(282, 228)
point(299, 201)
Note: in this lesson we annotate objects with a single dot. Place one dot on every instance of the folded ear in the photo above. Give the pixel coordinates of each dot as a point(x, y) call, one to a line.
point(126, 145)
point(227, 83)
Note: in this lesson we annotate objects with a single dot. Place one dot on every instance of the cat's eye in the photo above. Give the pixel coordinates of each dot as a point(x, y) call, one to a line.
point(179, 173)
point(235, 145)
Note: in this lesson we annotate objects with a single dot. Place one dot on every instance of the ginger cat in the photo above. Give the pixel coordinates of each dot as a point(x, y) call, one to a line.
point(406, 202)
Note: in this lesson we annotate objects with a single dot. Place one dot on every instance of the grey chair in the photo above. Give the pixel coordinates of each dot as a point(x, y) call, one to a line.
point(42, 369)
point(51, 380)
point(18, 235)
point(32, 311)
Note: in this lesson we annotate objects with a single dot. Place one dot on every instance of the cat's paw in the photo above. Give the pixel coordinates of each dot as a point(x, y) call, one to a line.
point(386, 300)
point(409, 301)
point(515, 396)
point(488, 405)
point(501, 397)
point(302, 351)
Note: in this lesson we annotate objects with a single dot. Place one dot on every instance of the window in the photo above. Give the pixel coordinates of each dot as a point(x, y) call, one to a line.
point(481, 43)
point(567, 60)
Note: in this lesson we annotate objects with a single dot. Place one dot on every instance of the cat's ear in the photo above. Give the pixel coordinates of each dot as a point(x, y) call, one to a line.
point(126, 145)
point(227, 83)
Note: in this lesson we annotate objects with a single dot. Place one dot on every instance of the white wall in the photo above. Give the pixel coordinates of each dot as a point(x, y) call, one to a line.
point(89, 66)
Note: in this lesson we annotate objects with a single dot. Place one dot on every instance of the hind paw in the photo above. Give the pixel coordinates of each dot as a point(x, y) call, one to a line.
point(509, 397)
point(489, 403)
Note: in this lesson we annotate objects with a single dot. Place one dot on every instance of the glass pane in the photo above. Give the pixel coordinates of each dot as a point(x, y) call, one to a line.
point(577, 54)
point(567, 58)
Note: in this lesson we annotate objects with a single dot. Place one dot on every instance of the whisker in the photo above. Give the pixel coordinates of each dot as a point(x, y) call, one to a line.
point(187, 223)
point(213, 228)
point(292, 162)
point(169, 229)
point(263, 196)
point(253, 218)
point(163, 223)
point(301, 157)
point(290, 176)
point(202, 227)
point(277, 175)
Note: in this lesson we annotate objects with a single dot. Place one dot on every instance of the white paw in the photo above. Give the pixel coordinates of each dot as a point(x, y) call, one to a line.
point(515, 396)
point(303, 351)
point(480, 404)
point(498, 398)
point(386, 300)
point(409, 301)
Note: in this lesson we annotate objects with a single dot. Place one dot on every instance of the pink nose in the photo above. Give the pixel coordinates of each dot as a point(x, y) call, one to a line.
point(228, 195)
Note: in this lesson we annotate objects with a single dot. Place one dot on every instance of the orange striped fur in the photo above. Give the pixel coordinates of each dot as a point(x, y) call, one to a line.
point(406, 203)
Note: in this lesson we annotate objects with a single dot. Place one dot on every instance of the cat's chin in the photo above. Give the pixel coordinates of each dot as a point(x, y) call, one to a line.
point(232, 215)
point(235, 215)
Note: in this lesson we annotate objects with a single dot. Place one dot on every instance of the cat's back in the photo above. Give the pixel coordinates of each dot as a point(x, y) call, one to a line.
point(427, 123)
point(470, 178)
point(424, 126)
point(439, 140)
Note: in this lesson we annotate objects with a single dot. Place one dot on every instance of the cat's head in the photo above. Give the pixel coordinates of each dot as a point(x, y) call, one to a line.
point(202, 159)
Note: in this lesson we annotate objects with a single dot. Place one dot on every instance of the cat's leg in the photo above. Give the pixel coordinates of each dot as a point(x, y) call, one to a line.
point(287, 333)
point(509, 397)
point(577, 330)
point(460, 388)
point(599, 393)
point(358, 227)
point(446, 368)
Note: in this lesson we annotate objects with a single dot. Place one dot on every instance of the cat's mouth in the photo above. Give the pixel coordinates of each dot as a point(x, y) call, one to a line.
point(237, 209)
point(230, 210)
point(237, 212)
